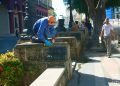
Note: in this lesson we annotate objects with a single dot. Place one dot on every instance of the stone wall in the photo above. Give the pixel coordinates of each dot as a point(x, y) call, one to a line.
point(76, 40)
point(52, 77)
point(36, 58)
point(72, 41)
point(80, 36)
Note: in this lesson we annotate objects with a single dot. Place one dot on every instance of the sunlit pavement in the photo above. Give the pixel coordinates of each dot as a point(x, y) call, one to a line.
point(100, 71)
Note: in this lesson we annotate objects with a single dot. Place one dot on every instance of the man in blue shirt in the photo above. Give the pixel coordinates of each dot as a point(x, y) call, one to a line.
point(43, 29)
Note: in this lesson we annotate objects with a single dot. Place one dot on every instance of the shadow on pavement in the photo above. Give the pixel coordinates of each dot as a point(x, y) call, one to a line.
point(82, 79)
point(93, 61)
point(116, 56)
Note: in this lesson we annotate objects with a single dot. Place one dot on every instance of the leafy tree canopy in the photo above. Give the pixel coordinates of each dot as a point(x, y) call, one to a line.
point(113, 3)
point(81, 6)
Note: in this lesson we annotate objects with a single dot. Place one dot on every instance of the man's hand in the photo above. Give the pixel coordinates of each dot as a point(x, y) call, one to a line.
point(53, 39)
point(48, 43)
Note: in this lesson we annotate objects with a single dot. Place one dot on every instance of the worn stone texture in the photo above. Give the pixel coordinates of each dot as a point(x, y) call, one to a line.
point(36, 58)
point(72, 41)
point(80, 36)
point(24, 39)
point(59, 78)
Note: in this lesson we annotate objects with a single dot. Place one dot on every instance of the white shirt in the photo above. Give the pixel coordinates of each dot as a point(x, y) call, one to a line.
point(82, 27)
point(107, 29)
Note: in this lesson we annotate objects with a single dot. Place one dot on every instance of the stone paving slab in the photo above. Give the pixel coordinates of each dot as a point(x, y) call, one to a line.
point(100, 71)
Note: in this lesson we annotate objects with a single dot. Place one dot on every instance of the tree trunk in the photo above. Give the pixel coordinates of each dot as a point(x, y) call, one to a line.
point(98, 22)
point(95, 36)
point(98, 16)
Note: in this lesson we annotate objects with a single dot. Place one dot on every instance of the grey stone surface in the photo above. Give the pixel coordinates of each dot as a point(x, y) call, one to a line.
point(99, 71)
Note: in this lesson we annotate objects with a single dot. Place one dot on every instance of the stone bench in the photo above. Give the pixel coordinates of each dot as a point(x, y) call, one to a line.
point(51, 77)
point(36, 58)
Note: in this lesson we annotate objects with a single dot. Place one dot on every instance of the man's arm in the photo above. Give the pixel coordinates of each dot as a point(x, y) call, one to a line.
point(102, 32)
point(41, 31)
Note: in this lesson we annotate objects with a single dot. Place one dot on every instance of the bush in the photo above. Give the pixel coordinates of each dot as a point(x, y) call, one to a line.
point(11, 70)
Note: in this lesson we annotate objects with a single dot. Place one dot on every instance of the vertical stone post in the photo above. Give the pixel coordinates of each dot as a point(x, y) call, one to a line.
point(20, 15)
point(10, 6)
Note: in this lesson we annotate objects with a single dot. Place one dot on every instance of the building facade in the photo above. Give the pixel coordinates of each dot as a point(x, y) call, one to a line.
point(109, 13)
point(42, 8)
point(34, 10)
point(11, 16)
point(116, 12)
point(50, 8)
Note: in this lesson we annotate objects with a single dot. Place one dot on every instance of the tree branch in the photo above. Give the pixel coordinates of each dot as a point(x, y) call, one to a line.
point(91, 7)
point(101, 4)
point(98, 4)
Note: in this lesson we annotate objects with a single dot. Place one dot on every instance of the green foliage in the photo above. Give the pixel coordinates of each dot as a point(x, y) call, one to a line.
point(113, 3)
point(11, 70)
point(80, 6)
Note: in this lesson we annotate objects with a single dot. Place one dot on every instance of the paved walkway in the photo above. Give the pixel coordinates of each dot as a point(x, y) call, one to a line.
point(100, 71)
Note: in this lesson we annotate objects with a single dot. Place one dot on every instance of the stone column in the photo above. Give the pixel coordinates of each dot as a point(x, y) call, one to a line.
point(20, 15)
point(10, 6)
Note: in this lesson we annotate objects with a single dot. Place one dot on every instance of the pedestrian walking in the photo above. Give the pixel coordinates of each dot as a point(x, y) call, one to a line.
point(89, 27)
point(43, 29)
point(107, 33)
point(82, 26)
point(75, 26)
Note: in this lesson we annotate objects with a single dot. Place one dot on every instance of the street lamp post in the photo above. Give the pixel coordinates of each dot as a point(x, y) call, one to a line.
point(71, 16)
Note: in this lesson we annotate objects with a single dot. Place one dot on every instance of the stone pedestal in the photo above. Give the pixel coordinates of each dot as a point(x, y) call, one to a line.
point(72, 41)
point(36, 57)
point(80, 36)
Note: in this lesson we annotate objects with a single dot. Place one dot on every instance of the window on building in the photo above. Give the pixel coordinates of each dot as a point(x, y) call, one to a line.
point(16, 25)
point(117, 9)
point(117, 16)
point(37, 13)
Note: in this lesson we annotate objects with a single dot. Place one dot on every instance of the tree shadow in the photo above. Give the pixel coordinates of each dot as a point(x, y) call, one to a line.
point(81, 79)
point(95, 53)
point(93, 60)
point(116, 56)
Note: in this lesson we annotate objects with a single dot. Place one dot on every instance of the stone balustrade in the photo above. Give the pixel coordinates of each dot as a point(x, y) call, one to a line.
point(37, 58)
point(24, 39)
point(80, 36)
